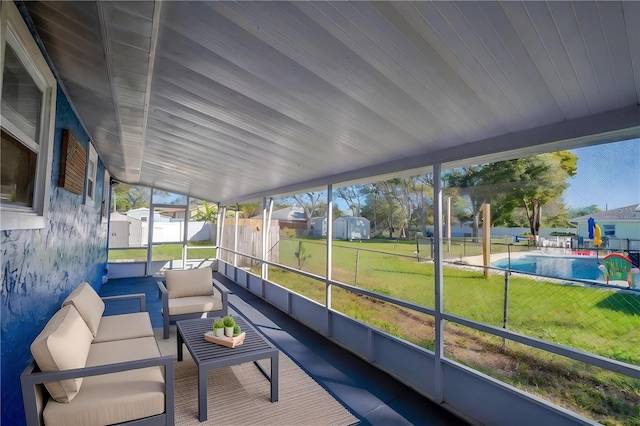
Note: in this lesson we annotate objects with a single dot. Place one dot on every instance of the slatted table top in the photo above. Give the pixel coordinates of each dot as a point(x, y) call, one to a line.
point(204, 352)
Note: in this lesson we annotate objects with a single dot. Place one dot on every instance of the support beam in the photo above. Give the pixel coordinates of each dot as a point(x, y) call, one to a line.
point(329, 248)
point(235, 240)
point(218, 235)
point(486, 238)
point(150, 234)
point(438, 285)
point(185, 236)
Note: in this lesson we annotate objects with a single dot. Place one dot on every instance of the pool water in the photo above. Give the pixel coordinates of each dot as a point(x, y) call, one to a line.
point(558, 267)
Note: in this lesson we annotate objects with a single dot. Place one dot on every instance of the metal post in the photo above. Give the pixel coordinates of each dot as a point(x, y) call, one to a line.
point(218, 239)
point(357, 262)
point(149, 234)
point(266, 240)
point(505, 312)
point(448, 224)
point(328, 275)
point(264, 267)
point(235, 246)
point(438, 284)
point(235, 240)
point(185, 237)
point(222, 214)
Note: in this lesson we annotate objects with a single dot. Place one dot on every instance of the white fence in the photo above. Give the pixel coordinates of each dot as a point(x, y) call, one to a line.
point(133, 233)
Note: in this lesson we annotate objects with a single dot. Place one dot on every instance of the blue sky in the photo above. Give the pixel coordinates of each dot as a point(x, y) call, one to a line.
point(608, 176)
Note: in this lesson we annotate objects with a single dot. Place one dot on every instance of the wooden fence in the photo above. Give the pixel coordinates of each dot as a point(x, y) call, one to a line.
point(250, 241)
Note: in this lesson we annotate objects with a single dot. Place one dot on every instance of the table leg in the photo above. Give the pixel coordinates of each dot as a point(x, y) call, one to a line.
point(274, 377)
point(180, 341)
point(202, 394)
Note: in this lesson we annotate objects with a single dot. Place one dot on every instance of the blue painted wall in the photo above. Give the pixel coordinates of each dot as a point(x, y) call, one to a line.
point(41, 267)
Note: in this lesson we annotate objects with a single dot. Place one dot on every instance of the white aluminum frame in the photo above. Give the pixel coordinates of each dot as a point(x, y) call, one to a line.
point(15, 32)
point(444, 376)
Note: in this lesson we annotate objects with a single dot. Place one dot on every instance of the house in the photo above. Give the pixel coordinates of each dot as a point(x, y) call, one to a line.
point(616, 226)
point(243, 101)
point(288, 217)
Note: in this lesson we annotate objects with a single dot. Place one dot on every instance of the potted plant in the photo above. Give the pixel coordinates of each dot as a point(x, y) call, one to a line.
point(218, 328)
point(236, 330)
point(228, 322)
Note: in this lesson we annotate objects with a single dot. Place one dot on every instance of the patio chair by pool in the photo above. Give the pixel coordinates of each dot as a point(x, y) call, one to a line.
point(188, 294)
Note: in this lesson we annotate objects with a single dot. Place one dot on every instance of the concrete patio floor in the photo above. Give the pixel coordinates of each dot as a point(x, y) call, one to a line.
point(370, 394)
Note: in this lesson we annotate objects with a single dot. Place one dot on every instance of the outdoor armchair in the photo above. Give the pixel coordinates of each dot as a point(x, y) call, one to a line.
point(188, 294)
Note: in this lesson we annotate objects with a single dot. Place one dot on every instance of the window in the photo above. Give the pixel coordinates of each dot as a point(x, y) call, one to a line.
point(92, 171)
point(28, 105)
point(609, 230)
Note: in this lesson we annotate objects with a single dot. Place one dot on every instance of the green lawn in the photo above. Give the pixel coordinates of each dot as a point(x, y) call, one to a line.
point(597, 320)
point(162, 252)
point(600, 321)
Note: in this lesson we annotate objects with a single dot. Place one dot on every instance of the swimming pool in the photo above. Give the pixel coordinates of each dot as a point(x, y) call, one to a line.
point(559, 267)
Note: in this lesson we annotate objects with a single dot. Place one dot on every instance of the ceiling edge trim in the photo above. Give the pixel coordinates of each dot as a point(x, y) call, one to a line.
point(611, 126)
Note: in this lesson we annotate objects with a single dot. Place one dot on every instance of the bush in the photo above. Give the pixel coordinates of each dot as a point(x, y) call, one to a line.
point(288, 232)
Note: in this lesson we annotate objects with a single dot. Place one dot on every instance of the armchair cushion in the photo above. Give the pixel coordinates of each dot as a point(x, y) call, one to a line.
point(193, 304)
point(63, 345)
point(87, 302)
point(190, 282)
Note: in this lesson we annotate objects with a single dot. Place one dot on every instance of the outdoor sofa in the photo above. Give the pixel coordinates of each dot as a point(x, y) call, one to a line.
point(190, 293)
point(90, 369)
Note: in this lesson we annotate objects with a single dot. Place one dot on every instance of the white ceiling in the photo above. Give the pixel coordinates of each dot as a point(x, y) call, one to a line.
point(230, 101)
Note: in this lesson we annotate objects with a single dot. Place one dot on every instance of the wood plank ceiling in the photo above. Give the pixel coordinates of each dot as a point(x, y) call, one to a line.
point(228, 101)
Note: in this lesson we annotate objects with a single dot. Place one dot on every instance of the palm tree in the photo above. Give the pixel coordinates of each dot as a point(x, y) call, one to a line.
point(208, 213)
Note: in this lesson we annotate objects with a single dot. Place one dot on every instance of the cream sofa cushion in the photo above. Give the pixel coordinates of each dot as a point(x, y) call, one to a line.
point(116, 397)
point(124, 326)
point(63, 345)
point(90, 306)
point(190, 282)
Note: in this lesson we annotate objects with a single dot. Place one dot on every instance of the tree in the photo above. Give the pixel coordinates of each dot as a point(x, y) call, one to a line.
point(309, 205)
point(354, 196)
point(583, 211)
point(208, 213)
point(541, 179)
point(529, 183)
point(250, 210)
point(470, 182)
point(128, 197)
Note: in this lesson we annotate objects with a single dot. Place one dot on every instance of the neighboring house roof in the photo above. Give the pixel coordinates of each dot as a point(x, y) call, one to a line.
point(288, 213)
point(623, 214)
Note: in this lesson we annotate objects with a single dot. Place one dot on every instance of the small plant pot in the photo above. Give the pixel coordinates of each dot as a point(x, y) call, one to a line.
point(218, 332)
point(228, 331)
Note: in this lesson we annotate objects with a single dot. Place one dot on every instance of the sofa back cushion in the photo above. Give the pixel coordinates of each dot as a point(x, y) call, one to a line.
point(87, 302)
point(63, 345)
point(190, 282)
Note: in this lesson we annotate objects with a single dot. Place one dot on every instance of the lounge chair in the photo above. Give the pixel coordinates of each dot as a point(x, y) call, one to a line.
point(190, 293)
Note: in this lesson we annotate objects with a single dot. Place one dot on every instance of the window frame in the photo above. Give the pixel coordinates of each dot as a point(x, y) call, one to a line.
point(15, 33)
point(106, 191)
point(92, 158)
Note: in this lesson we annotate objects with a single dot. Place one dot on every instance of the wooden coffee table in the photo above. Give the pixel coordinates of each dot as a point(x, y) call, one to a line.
point(208, 355)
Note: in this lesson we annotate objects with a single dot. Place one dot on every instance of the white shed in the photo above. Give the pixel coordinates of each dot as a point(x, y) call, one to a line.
point(318, 227)
point(351, 228)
